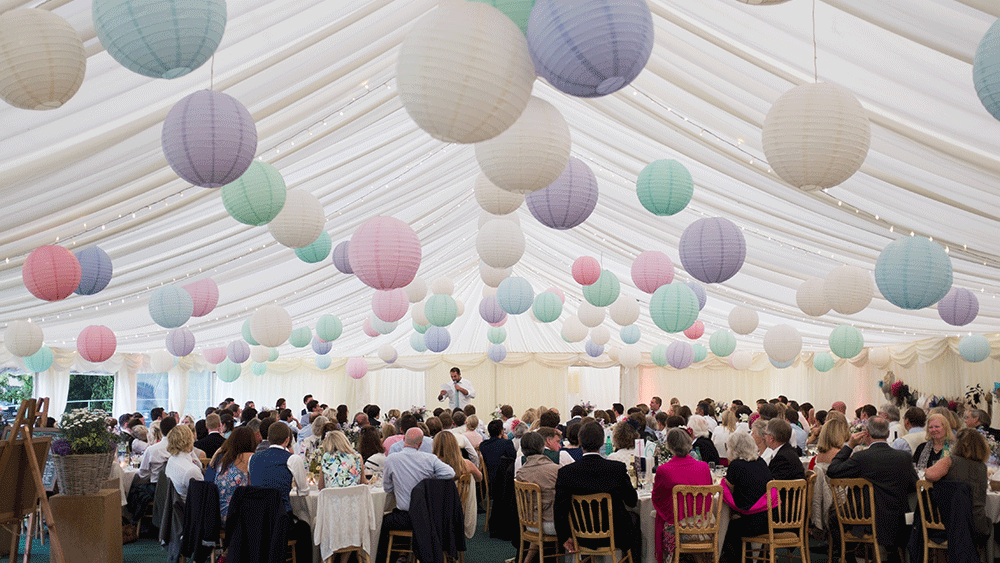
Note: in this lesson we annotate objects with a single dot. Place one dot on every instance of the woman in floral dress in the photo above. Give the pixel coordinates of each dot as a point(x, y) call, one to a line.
point(342, 466)
point(231, 465)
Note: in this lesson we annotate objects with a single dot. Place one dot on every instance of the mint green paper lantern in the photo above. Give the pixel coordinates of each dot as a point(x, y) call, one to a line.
point(256, 197)
point(913, 272)
point(547, 307)
point(440, 309)
point(519, 11)
point(823, 362)
point(417, 342)
point(228, 371)
point(420, 328)
point(323, 362)
point(664, 187)
point(700, 352)
point(496, 334)
point(846, 341)
point(604, 291)
point(318, 251)
point(974, 348)
point(300, 337)
point(272, 355)
point(258, 368)
point(722, 343)
point(329, 328)
point(673, 307)
point(246, 334)
point(40, 361)
point(659, 355)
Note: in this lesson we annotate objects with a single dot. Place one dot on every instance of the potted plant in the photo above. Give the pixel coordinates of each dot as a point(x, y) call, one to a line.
point(83, 452)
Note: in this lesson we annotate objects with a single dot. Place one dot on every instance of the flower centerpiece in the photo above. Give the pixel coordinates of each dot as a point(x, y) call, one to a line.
point(418, 412)
point(496, 412)
point(588, 407)
point(84, 451)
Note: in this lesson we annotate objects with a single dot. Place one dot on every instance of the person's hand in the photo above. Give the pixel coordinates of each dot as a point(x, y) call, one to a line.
point(461, 389)
point(569, 546)
point(441, 395)
point(857, 438)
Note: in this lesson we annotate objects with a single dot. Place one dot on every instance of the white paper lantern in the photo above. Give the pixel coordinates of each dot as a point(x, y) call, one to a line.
point(416, 290)
point(161, 361)
point(743, 320)
point(741, 360)
point(590, 315)
point(260, 354)
point(782, 343)
point(387, 353)
point(879, 357)
point(573, 330)
point(530, 154)
point(500, 243)
point(600, 335)
point(493, 200)
point(271, 326)
point(443, 286)
point(300, 221)
point(461, 307)
point(486, 217)
point(630, 356)
point(382, 327)
point(23, 338)
point(42, 59)
point(816, 136)
point(848, 289)
point(417, 314)
point(624, 311)
point(811, 298)
point(492, 276)
point(487, 290)
point(613, 352)
point(464, 72)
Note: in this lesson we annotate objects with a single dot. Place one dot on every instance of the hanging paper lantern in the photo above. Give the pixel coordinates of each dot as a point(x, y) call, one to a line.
point(317, 251)
point(558, 293)
point(567, 201)
point(180, 342)
point(848, 289)
point(494, 200)
point(488, 291)
point(272, 354)
point(42, 59)
point(823, 362)
point(624, 311)
point(238, 351)
point(696, 330)
point(573, 330)
point(496, 353)
point(612, 352)
point(300, 337)
point(741, 360)
point(39, 361)
point(586, 270)
point(390, 306)
point(811, 297)
point(417, 342)
point(209, 139)
point(600, 335)
point(593, 349)
point(485, 217)
point(604, 291)
point(95, 269)
point(444, 286)
point(490, 311)
point(674, 307)
point(743, 320)
point(260, 353)
point(257, 196)
point(816, 136)
point(258, 368)
point(974, 348)
point(96, 343)
point(547, 307)
point(846, 341)
point(368, 329)
point(493, 276)
point(879, 357)
point(228, 371)
point(958, 307)
point(440, 310)
point(161, 361)
point(781, 365)
point(321, 347)
point(590, 315)
point(496, 334)
point(416, 290)
point(247, 336)
point(23, 338)
point(680, 355)
point(271, 325)
point(329, 328)
point(986, 70)
point(342, 259)
point(913, 272)
point(215, 355)
point(170, 306)
point(664, 187)
point(204, 296)
point(782, 343)
point(437, 339)
point(700, 352)
point(630, 334)
point(387, 353)
point(323, 362)
point(630, 356)
point(300, 222)
point(500, 243)
point(417, 314)
point(712, 249)
point(659, 355)
point(51, 273)
point(651, 269)
point(517, 10)
point(530, 154)
point(464, 73)
point(699, 292)
point(423, 328)
point(722, 343)
point(515, 295)
point(385, 253)
point(590, 48)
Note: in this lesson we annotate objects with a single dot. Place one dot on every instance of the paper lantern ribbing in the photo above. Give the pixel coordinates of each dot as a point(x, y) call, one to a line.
point(586, 270)
point(496, 353)
point(879, 357)
point(515, 295)
point(329, 328)
point(699, 291)
point(600, 335)
point(782, 343)
point(96, 343)
point(696, 330)
point(42, 59)
point(238, 351)
point(500, 243)
point(604, 291)
point(664, 187)
point(300, 337)
point(317, 251)
point(321, 347)
point(913, 272)
point(823, 362)
point(630, 356)
point(816, 136)
point(258, 368)
point(271, 325)
point(846, 341)
point(530, 155)
point(568, 200)
point(390, 306)
point(624, 311)
point(170, 306)
point(257, 196)
point(422, 328)
point(712, 249)
point(160, 361)
point(958, 307)
point(180, 342)
point(651, 269)
point(417, 342)
point(741, 360)
point(322, 362)
point(209, 139)
point(342, 259)
point(51, 273)
point(658, 355)
point(590, 48)
point(848, 289)
point(437, 339)
point(547, 307)
point(385, 253)
point(573, 330)
point(440, 309)
point(722, 343)
point(464, 72)
point(986, 70)
point(260, 354)
point(95, 270)
point(300, 221)
point(492, 276)
point(494, 200)
point(593, 349)
point(204, 296)
point(590, 315)
point(630, 334)
point(674, 307)
point(387, 353)
point(743, 320)
point(496, 334)
point(228, 371)
point(215, 355)
point(781, 365)
point(680, 355)
point(490, 311)
point(40, 361)
point(974, 348)
point(700, 352)
point(23, 338)
point(811, 297)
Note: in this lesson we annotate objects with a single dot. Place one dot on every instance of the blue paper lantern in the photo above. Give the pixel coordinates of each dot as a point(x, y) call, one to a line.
point(986, 70)
point(846, 341)
point(321, 347)
point(823, 362)
point(547, 307)
point(323, 362)
point(699, 291)
point(259, 368)
point(913, 272)
point(228, 371)
point(712, 249)
point(590, 48)
point(170, 306)
point(673, 307)
point(664, 187)
point(515, 295)
point(680, 355)
point(39, 361)
point(604, 291)
point(569, 200)
point(781, 365)
point(496, 334)
point(160, 38)
point(722, 343)
point(496, 352)
point(437, 339)
point(659, 355)
point(95, 270)
point(594, 350)
point(317, 251)
point(700, 352)
point(630, 334)
point(958, 307)
point(272, 355)
point(247, 335)
point(417, 342)
point(974, 348)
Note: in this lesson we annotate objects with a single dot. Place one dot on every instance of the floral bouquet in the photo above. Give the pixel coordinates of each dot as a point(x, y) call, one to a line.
point(588, 407)
point(418, 412)
point(390, 419)
point(661, 454)
point(993, 445)
point(496, 413)
point(743, 418)
point(353, 434)
point(83, 431)
point(858, 426)
point(315, 462)
point(720, 408)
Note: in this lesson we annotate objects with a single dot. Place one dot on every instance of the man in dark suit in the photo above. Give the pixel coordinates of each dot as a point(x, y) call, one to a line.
point(785, 465)
point(210, 443)
point(594, 474)
point(892, 476)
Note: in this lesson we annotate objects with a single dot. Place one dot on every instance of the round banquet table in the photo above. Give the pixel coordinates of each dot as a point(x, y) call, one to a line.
point(305, 505)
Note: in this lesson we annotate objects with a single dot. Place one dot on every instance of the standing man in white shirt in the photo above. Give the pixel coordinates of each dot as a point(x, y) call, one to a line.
point(460, 392)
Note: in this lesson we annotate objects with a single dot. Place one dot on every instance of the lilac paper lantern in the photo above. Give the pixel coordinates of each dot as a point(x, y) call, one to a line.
point(680, 355)
point(496, 353)
point(180, 342)
point(238, 351)
point(712, 249)
point(385, 253)
point(357, 368)
point(490, 311)
point(958, 307)
point(390, 306)
point(699, 292)
point(95, 270)
point(204, 296)
point(437, 339)
point(651, 269)
point(593, 349)
point(569, 200)
point(341, 257)
point(209, 139)
point(321, 347)
point(215, 355)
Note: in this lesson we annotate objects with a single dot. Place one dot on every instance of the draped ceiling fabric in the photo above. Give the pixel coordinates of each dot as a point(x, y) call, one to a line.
point(319, 79)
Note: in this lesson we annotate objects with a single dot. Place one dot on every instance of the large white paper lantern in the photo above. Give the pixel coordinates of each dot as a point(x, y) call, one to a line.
point(387, 353)
point(492, 276)
point(600, 335)
point(782, 343)
point(260, 354)
point(811, 298)
point(23, 338)
point(417, 314)
point(573, 330)
point(271, 325)
point(743, 320)
point(624, 311)
point(630, 356)
point(848, 289)
point(741, 360)
point(42, 59)
point(591, 315)
point(416, 290)
point(300, 221)
point(879, 357)
point(464, 72)
point(443, 286)
point(500, 243)
point(816, 136)
point(494, 200)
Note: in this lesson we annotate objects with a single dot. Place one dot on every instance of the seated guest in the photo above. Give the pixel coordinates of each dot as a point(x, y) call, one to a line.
point(370, 448)
point(702, 444)
point(800, 437)
point(426, 446)
point(722, 432)
point(472, 430)
point(746, 477)
point(553, 448)
point(447, 450)
point(180, 467)
point(231, 466)
point(682, 469)
point(495, 447)
point(785, 464)
point(967, 463)
point(623, 440)
point(937, 437)
point(542, 471)
point(832, 437)
point(139, 443)
point(913, 430)
point(200, 430)
point(342, 466)
point(388, 430)
point(211, 442)
point(315, 437)
point(980, 420)
point(573, 437)
point(758, 430)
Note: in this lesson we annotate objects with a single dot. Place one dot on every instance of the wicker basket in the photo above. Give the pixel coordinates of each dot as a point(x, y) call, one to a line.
point(82, 474)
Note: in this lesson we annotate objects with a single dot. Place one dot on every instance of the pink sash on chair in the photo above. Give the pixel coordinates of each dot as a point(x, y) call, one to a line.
point(760, 506)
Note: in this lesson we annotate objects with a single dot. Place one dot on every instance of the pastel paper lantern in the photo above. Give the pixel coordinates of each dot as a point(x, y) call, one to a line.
point(590, 48)
point(958, 307)
point(271, 325)
point(215, 355)
point(385, 253)
point(490, 311)
point(487, 291)
point(696, 330)
point(519, 11)
point(823, 362)
point(228, 371)
point(317, 251)
point(722, 343)
point(741, 360)
point(417, 314)
point(848, 289)
point(531, 154)
point(547, 307)
point(664, 187)
point(782, 343)
point(568, 200)
point(743, 320)
point(161, 361)
point(440, 309)
point(573, 330)
point(590, 315)
point(443, 286)
point(238, 351)
point(586, 270)
point(658, 355)
point(699, 291)
point(464, 72)
point(300, 222)
point(416, 290)
point(493, 276)
point(496, 353)
point(816, 136)
point(272, 354)
point(390, 306)
point(712, 249)
point(321, 347)
point(437, 339)
point(630, 334)
point(329, 328)
point(846, 341)
point(170, 306)
point(422, 328)
point(257, 196)
point(781, 365)
point(387, 353)
point(700, 352)
point(51, 273)
point(368, 329)
point(986, 70)
point(300, 337)
point(23, 338)
point(417, 342)
point(674, 307)
point(42, 59)
point(494, 200)
point(260, 354)
point(630, 356)
point(811, 297)
point(680, 355)
point(515, 295)
point(95, 269)
point(342, 259)
point(180, 342)
point(258, 368)
point(913, 272)
point(558, 293)
point(974, 348)
point(879, 357)
point(209, 139)
point(604, 291)
point(496, 334)
point(612, 352)
point(651, 269)
point(322, 362)
point(500, 243)
point(40, 361)
point(96, 343)
point(485, 217)
point(593, 349)
point(247, 337)
point(624, 311)
point(204, 296)
point(600, 335)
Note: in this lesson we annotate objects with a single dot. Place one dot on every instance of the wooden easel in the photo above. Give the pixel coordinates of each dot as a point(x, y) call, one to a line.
point(21, 458)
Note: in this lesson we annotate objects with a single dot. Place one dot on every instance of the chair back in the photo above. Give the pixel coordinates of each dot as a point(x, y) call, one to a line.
point(697, 509)
point(929, 512)
point(590, 519)
point(855, 502)
point(529, 504)
point(463, 483)
point(790, 512)
point(332, 531)
point(811, 478)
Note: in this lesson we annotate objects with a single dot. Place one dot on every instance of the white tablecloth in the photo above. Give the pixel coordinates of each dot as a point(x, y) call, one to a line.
point(304, 507)
point(125, 477)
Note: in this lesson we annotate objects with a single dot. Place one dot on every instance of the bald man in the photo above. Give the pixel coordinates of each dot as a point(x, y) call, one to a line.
point(840, 406)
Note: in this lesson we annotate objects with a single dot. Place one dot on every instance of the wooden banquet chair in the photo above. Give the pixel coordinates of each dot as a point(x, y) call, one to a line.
point(854, 500)
point(591, 519)
point(698, 530)
point(784, 523)
point(529, 515)
point(930, 517)
point(810, 494)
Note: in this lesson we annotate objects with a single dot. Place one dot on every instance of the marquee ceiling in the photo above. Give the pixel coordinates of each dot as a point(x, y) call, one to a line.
point(318, 77)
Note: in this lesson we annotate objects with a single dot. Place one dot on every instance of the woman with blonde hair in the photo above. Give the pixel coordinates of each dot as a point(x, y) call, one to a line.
point(342, 466)
point(471, 432)
point(832, 437)
point(388, 431)
point(181, 467)
point(939, 436)
point(950, 415)
point(447, 450)
point(722, 432)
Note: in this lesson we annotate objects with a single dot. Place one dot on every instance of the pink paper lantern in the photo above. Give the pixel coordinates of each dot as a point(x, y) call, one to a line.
point(390, 306)
point(651, 269)
point(238, 351)
point(369, 329)
point(696, 330)
point(51, 273)
point(385, 253)
point(96, 343)
point(180, 342)
point(558, 292)
point(586, 270)
point(205, 294)
point(215, 355)
point(357, 368)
